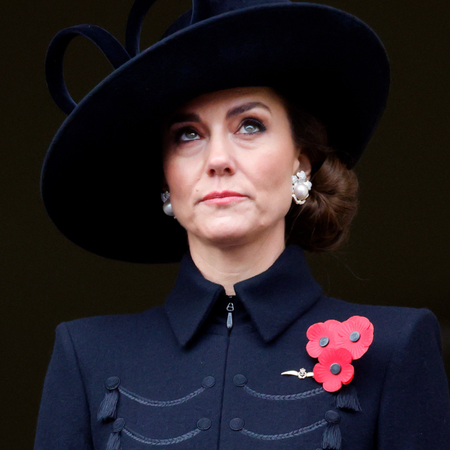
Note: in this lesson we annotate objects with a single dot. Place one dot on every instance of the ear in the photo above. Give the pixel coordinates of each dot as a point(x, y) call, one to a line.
point(303, 164)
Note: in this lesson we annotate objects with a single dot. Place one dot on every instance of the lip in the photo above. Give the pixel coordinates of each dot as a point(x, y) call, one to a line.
point(222, 197)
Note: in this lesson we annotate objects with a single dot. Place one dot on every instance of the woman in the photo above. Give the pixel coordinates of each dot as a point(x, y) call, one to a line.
point(249, 116)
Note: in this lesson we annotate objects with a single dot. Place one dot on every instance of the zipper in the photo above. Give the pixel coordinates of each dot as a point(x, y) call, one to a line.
point(230, 309)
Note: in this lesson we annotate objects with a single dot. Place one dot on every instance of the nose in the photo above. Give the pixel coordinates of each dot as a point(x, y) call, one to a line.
point(220, 156)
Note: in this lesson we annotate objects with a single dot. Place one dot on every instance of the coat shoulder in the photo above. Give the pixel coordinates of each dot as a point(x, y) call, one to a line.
point(394, 325)
point(107, 329)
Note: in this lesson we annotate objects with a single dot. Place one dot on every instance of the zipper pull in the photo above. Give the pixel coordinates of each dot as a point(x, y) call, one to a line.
point(230, 309)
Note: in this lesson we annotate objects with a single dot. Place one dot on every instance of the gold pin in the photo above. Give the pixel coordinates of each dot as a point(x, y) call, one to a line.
point(302, 374)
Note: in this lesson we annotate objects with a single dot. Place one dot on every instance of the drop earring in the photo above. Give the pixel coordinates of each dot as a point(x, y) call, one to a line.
point(300, 187)
point(167, 205)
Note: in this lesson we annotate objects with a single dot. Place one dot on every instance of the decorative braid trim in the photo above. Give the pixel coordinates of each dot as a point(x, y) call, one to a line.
point(149, 441)
point(291, 434)
point(299, 396)
point(159, 403)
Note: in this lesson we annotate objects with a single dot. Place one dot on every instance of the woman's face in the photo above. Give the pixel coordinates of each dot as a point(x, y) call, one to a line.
point(228, 161)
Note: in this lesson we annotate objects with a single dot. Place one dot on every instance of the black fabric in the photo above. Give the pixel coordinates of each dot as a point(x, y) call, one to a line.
point(134, 25)
point(187, 382)
point(107, 43)
point(101, 178)
point(257, 296)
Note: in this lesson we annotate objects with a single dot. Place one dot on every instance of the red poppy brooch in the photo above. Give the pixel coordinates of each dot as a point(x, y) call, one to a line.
point(336, 345)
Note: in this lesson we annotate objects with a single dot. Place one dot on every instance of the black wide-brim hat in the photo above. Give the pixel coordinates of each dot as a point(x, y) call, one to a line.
point(102, 176)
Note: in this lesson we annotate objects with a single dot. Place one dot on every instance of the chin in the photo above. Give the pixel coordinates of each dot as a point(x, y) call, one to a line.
point(229, 238)
point(225, 236)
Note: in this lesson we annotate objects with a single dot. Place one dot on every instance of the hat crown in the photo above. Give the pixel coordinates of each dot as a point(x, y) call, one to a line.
point(201, 10)
point(204, 9)
point(113, 50)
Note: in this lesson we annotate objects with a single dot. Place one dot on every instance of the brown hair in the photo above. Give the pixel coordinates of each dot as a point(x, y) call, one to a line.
point(323, 222)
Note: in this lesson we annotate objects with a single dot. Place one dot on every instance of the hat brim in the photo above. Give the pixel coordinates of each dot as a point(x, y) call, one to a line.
point(102, 175)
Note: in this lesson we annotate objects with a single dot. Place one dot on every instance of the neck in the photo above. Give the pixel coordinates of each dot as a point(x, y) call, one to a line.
point(230, 264)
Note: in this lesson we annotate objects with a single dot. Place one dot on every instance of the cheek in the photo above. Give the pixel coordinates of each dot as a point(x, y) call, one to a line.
point(275, 172)
point(181, 180)
point(173, 173)
point(167, 169)
point(273, 185)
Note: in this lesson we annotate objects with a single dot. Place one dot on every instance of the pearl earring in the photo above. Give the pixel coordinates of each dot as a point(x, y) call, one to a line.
point(300, 187)
point(167, 205)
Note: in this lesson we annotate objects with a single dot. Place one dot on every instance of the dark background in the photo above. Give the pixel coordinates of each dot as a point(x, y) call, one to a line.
point(398, 251)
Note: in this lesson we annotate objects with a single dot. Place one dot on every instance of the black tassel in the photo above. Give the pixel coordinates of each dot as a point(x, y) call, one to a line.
point(348, 399)
point(114, 441)
point(108, 406)
point(332, 435)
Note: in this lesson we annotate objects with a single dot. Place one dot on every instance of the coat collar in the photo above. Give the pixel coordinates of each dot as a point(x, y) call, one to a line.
point(288, 283)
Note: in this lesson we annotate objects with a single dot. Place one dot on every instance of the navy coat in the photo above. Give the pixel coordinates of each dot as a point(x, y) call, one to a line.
point(177, 377)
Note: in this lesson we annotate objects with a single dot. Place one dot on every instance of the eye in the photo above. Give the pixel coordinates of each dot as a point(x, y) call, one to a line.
point(251, 126)
point(186, 135)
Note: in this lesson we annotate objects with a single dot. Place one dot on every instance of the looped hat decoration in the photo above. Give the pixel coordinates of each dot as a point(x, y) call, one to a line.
point(102, 175)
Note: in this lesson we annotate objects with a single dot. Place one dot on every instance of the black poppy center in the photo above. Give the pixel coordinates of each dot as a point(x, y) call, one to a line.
point(355, 336)
point(335, 368)
point(324, 341)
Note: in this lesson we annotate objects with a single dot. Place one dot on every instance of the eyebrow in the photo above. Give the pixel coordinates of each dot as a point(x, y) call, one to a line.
point(193, 117)
point(245, 107)
point(183, 117)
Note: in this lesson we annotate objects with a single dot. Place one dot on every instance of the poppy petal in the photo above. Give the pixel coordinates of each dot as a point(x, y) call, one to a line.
point(314, 331)
point(347, 373)
point(332, 384)
point(314, 349)
point(320, 373)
